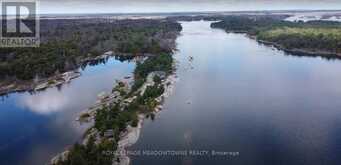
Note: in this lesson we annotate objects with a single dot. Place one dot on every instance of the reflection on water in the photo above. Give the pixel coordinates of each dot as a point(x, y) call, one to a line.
point(34, 127)
point(45, 102)
point(241, 96)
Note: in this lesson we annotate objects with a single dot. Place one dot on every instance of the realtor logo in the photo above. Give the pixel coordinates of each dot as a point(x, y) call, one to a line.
point(19, 24)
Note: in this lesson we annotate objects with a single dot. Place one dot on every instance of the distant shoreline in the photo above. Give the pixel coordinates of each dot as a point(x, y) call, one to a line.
point(194, 12)
point(160, 15)
point(303, 52)
point(298, 52)
point(294, 51)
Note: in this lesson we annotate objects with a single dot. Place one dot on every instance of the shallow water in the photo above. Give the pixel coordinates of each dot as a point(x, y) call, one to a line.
point(35, 127)
point(247, 98)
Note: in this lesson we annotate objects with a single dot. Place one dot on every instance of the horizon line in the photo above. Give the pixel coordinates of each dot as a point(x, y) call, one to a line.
point(199, 12)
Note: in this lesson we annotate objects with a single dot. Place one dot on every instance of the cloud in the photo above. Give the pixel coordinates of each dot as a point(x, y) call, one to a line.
point(44, 103)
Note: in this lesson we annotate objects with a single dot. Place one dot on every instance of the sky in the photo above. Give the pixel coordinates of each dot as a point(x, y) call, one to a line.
point(149, 6)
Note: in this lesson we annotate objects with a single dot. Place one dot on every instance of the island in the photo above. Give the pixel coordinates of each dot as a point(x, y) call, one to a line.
point(120, 113)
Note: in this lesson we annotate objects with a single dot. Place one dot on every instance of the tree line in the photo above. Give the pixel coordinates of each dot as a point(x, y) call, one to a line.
point(65, 43)
point(315, 36)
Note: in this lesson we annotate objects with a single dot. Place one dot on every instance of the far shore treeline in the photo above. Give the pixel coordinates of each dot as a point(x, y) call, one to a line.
point(319, 37)
point(67, 42)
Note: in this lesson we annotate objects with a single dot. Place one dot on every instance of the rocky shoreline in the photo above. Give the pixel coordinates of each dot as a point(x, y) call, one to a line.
point(38, 85)
point(7, 86)
point(131, 134)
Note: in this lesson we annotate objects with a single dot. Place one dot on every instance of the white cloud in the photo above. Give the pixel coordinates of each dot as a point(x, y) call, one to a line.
point(44, 103)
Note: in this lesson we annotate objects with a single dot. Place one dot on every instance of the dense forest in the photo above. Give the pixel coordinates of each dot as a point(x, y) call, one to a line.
point(313, 36)
point(65, 43)
point(311, 39)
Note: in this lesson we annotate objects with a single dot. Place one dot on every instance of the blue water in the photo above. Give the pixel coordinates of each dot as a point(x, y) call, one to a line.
point(246, 98)
point(35, 127)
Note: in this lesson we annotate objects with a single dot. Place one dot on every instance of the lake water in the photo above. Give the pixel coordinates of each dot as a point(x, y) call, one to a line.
point(236, 96)
point(246, 98)
point(35, 127)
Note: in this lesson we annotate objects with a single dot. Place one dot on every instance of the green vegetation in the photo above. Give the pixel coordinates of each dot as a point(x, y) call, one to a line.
point(313, 36)
point(148, 98)
point(161, 62)
point(90, 154)
point(121, 88)
point(313, 39)
point(249, 24)
point(66, 43)
point(110, 118)
point(137, 84)
point(157, 79)
point(116, 117)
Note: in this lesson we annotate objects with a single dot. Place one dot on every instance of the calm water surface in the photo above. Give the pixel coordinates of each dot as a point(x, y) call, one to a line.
point(249, 98)
point(36, 127)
